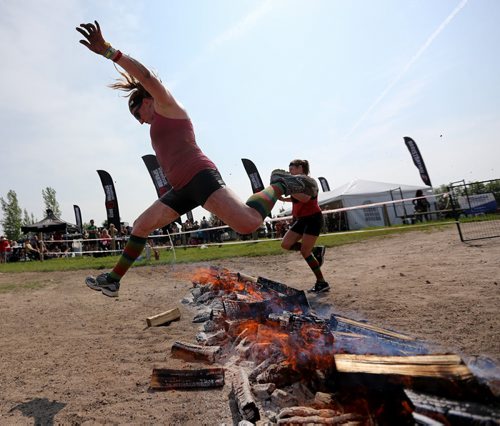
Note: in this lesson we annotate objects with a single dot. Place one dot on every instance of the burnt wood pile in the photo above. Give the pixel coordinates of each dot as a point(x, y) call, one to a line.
point(287, 365)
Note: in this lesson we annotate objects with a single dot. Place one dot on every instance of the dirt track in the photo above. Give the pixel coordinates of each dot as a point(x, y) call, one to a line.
point(70, 355)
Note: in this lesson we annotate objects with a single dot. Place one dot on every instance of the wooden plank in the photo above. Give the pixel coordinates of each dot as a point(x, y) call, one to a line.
point(164, 317)
point(445, 366)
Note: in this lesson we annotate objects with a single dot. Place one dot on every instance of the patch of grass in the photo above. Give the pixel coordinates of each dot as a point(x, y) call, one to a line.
point(11, 288)
point(195, 254)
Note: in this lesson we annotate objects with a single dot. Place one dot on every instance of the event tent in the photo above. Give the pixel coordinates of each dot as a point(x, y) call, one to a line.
point(50, 223)
point(361, 192)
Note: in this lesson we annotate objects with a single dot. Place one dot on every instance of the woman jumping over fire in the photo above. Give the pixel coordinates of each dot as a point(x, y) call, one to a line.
point(194, 177)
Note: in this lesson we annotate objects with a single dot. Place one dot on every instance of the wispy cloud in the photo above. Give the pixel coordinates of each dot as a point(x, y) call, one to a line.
point(238, 30)
point(244, 25)
point(407, 67)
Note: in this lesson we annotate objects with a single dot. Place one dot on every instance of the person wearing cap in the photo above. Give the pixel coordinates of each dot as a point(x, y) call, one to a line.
point(194, 177)
point(304, 232)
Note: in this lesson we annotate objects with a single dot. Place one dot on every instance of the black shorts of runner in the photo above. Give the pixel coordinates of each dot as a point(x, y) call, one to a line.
point(310, 225)
point(195, 193)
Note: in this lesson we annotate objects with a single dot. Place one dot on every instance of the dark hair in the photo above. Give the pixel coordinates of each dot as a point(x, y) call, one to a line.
point(303, 163)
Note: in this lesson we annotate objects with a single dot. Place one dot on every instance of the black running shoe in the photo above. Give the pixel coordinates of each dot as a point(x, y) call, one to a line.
point(319, 287)
point(319, 253)
point(295, 184)
point(101, 283)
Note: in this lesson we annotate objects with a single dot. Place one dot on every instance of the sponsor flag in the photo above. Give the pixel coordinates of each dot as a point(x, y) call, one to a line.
point(417, 159)
point(155, 171)
point(78, 218)
point(253, 175)
point(111, 201)
point(324, 184)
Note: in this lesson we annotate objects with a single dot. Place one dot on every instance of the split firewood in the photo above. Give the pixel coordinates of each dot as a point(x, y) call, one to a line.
point(244, 398)
point(239, 338)
point(350, 418)
point(235, 327)
point(280, 374)
point(306, 412)
point(166, 379)
point(261, 367)
point(203, 316)
point(244, 277)
point(164, 317)
point(197, 352)
point(361, 326)
point(244, 348)
point(214, 338)
point(446, 366)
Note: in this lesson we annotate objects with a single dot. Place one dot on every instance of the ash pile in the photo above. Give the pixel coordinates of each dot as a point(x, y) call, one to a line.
point(287, 365)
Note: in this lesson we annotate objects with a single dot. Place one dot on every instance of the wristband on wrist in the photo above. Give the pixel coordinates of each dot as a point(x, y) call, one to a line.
point(110, 52)
point(117, 56)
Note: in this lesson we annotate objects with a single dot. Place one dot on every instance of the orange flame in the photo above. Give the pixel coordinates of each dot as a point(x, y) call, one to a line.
point(306, 345)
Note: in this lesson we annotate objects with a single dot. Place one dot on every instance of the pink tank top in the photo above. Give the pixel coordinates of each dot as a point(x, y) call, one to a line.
point(176, 150)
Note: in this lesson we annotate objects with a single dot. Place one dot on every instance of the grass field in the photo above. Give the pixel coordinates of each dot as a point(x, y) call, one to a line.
point(196, 254)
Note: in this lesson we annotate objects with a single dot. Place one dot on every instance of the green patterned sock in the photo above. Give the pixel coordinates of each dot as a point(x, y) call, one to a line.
point(296, 246)
point(314, 265)
point(132, 251)
point(265, 200)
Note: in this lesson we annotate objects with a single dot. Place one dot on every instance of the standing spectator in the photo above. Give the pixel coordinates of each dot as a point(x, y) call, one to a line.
point(204, 234)
point(421, 207)
point(4, 249)
point(93, 233)
point(113, 232)
point(304, 232)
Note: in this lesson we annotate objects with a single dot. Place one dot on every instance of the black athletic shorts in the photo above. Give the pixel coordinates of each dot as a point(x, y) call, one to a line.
point(195, 193)
point(310, 225)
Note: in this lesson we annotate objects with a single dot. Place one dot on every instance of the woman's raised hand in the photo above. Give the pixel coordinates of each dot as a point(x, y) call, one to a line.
point(94, 39)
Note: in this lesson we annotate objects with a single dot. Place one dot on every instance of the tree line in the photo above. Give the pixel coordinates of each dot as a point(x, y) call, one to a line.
point(14, 217)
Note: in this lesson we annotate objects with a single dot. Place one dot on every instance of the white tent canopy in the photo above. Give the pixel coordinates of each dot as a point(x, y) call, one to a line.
point(361, 192)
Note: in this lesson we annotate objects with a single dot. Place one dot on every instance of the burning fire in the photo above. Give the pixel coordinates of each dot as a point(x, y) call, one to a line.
point(298, 343)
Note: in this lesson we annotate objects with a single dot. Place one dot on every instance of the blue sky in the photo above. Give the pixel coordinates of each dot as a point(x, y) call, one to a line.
point(337, 82)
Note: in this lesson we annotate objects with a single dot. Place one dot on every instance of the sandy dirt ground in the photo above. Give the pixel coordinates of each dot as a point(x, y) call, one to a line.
point(70, 355)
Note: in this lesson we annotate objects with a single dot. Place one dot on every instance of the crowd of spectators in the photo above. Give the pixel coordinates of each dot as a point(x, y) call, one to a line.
point(105, 240)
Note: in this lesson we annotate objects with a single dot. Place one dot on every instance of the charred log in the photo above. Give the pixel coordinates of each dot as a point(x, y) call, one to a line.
point(244, 398)
point(281, 375)
point(189, 351)
point(166, 379)
point(454, 412)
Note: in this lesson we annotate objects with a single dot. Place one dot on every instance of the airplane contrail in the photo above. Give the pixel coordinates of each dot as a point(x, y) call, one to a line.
point(414, 59)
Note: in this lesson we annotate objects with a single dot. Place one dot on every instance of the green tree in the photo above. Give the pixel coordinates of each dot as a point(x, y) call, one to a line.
point(49, 199)
point(11, 221)
point(27, 218)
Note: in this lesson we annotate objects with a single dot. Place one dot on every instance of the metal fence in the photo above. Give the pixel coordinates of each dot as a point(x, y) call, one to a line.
point(476, 208)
